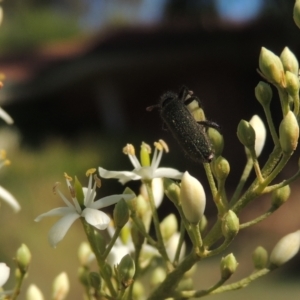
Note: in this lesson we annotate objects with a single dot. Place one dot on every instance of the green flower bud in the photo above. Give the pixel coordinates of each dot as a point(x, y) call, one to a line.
point(172, 190)
point(228, 266)
point(95, 280)
point(296, 13)
point(61, 286)
point(230, 225)
point(292, 83)
point(23, 258)
point(138, 290)
point(85, 254)
point(221, 168)
point(126, 271)
point(260, 258)
point(185, 284)
point(203, 223)
point(132, 202)
point(271, 67)
point(137, 237)
point(158, 276)
point(246, 134)
point(99, 242)
point(263, 93)
point(83, 276)
point(280, 196)
point(168, 226)
point(121, 214)
point(217, 141)
point(34, 293)
point(285, 249)
point(289, 61)
point(192, 198)
point(289, 133)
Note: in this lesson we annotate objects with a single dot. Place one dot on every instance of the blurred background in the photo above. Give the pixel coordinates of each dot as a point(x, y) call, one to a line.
point(79, 76)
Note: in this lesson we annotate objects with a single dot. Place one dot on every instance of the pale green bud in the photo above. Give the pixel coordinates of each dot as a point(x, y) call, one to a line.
point(228, 266)
point(296, 13)
point(172, 190)
point(85, 254)
point(285, 249)
point(289, 61)
point(246, 134)
point(99, 242)
point(168, 226)
point(217, 141)
point(289, 133)
point(121, 214)
point(271, 67)
point(292, 83)
point(158, 276)
point(185, 284)
point(138, 290)
point(83, 276)
point(230, 225)
point(280, 196)
point(61, 287)
point(203, 223)
point(260, 134)
point(263, 93)
point(23, 258)
point(126, 271)
point(260, 258)
point(192, 198)
point(221, 168)
point(34, 293)
point(95, 280)
point(137, 237)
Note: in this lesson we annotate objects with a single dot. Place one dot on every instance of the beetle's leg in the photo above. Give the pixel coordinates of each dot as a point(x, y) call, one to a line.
point(184, 93)
point(208, 124)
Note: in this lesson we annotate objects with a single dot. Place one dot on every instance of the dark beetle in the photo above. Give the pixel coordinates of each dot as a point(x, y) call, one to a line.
point(189, 133)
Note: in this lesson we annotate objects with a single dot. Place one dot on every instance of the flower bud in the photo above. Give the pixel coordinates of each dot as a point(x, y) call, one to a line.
point(172, 190)
point(83, 276)
point(260, 134)
point(246, 134)
point(4, 274)
point(168, 226)
point(121, 214)
point(289, 133)
point(292, 83)
point(280, 196)
point(138, 290)
point(296, 13)
point(60, 287)
point(285, 249)
point(132, 202)
point(34, 293)
point(171, 246)
point(203, 223)
point(192, 198)
point(137, 237)
point(260, 258)
point(85, 254)
point(95, 280)
point(126, 271)
point(217, 141)
point(263, 93)
point(289, 61)
point(23, 258)
point(158, 276)
point(228, 266)
point(230, 225)
point(221, 168)
point(271, 66)
point(99, 242)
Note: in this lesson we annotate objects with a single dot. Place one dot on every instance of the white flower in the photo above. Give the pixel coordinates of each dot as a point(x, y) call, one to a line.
point(143, 170)
point(34, 293)
point(260, 133)
point(4, 273)
point(4, 194)
point(85, 207)
point(5, 116)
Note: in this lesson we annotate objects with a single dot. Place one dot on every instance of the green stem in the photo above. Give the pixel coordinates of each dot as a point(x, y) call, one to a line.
point(197, 237)
point(19, 282)
point(111, 243)
point(161, 246)
point(259, 219)
point(271, 125)
point(180, 243)
point(210, 179)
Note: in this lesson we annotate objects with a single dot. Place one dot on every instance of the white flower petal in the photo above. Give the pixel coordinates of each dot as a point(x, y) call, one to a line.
point(60, 228)
point(5, 116)
point(158, 191)
point(59, 211)
point(110, 200)
point(116, 254)
point(9, 199)
point(96, 218)
point(123, 176)
point(168, 173)
point(4, 273)
point(260, 133)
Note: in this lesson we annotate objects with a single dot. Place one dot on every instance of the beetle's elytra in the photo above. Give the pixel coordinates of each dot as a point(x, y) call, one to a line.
point(189, 133)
